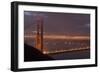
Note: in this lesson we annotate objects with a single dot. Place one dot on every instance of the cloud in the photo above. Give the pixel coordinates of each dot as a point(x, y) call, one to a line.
point(87, 25)
point(35, 14)
point(28, 13)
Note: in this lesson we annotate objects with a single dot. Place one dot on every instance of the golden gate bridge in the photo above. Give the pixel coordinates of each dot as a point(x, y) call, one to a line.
point(71, 43)
point(82, 43)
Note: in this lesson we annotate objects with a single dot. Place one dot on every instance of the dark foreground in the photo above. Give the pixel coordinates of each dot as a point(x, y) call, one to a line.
point(32, 54)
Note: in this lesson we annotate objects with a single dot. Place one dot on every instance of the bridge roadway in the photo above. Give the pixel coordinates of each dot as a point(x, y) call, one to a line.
point(62, 37)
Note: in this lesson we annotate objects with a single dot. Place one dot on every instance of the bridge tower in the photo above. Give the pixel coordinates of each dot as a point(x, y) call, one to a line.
point(39, 34)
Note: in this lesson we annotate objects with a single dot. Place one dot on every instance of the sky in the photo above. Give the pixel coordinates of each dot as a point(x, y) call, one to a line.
point(58, 23)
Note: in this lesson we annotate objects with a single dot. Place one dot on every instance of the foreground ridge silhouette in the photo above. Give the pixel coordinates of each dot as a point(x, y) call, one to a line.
point(33, 54)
